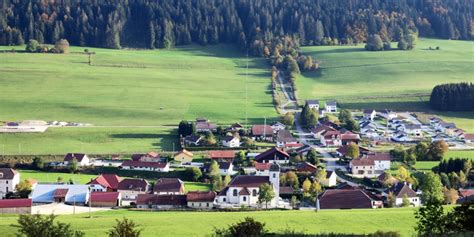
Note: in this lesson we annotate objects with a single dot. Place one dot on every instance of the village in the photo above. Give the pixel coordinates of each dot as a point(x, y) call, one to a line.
point(267, 166)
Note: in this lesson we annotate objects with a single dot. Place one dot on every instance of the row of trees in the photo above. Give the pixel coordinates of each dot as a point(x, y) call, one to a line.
point(421, 152)
point(151, 24)
point(61, 46)
point(453, 97)
point(407, 42)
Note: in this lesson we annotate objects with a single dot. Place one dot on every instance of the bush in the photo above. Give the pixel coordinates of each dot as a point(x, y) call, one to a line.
point(247, 227)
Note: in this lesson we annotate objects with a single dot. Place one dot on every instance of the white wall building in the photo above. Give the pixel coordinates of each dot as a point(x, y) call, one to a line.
point(9, 178)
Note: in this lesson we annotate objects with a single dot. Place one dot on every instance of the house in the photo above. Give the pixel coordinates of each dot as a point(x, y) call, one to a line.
point(348, 199)
point(230, 141)
point(331, 179)
point(201, 200)
point(330, 107)
point(162, 202)
point(222, 155)
point(370, 165)
point(146, 166)
point(401, 137)
point(243, 189)
point(303, 150)
point(183, 156)
point(342, 151)
point(369, 114)
point(321, 129)
point(108, 181)
point(285, 139)
point(469, 137)
point(192, 140)
point(306, 167)
point(348, 138)
point(277, 126)
point(388, 114)
point(235, 127)
point(15, 206)
point(172, 186)
point(274, 155)
point(9, 178)
point(413, 130)
point(382, 161)
point(454, 132)
point(262, 132)
point(130, 188)
point(77, 194)
point(105, 199)
point(262, 169)
point(204, 125)
point(287, 191)
point(225, 167)
point(442, 126)
point(312, 104)
point(400, 191)
point(331, 139)
point(82, 159)
point(148, 157)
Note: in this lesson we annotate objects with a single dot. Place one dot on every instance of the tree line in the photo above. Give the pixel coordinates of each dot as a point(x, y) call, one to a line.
point(453, 97)
point(251, 24)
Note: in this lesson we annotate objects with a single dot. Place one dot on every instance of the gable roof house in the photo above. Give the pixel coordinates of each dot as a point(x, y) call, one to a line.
point(321, 129)
point(348, 199)
point(388, 114)
point(108, 181)
point(162, 202)
point(192, 140)
point(82, 159)
point(262, 132)
point(442, 126)
point(169, 186)
point(331, 139)
point(66, 193)
point(369, 114)
point(349, 137)
point(331, 106)
point(235, 127)
point(225, 167)
point(306, 167)
point(145, 165)
point(201, 200)
point(184, 156)
point(204, 125)
point(222, 155)
point(285, 139)
point(469, 137)
point(401, 190)
point(243, 189)
point(370, 165)
point(274, 155)
point(277, 126)
point(331, 179)
point(9, 178)
point(312, 104)
point(150, 157)
point(130, 188)
point(230, 141)
point(262, 169)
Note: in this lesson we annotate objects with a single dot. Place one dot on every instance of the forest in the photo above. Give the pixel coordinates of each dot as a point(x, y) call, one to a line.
point(252, 24)
point(453, 97)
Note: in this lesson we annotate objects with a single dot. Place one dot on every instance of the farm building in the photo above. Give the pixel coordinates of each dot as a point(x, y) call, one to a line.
point(201, 200)
point(172, 186)
point(164, 202)
point(273, 155)
point(105, 199)
point(61, 193)
point(15, 206)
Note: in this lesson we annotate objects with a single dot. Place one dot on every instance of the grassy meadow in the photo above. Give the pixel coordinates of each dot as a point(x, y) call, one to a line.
point(202, 223)
point(388, 79)
point(428, 165)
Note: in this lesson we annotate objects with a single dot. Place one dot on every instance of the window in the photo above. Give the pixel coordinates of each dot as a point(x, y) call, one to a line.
point(224, 200)
point(245, 199)
point(274, 175)
point(254, 192)
point(235, 192)
point(207, 204)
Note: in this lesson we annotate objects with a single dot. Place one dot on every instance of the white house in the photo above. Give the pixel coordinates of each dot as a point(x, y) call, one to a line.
point(82, 159)
point(370, 114)
point(230, 141)
point(402, 190)
point(370, 165)
point(61, 193)
point(313, 104)
point(331, 138)
point(9, 178)
point(225, 167)
point(131, 188)
point(147, 166)
point(277, 126)
point(330, 180)
point(388, 114)
point(331, 107)
point(243, 189)
point(413, 130)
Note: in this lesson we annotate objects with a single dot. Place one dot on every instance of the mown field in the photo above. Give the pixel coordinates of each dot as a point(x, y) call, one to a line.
point(428, 165)
point(202, 223)
point(127, 88)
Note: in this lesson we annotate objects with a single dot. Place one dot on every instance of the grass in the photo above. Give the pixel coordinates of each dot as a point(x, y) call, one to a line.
point(89, 140)
point(202, 223)
point(428, 165)
point(50, 177)
point(196, 186)
point(398, 80)
point(128, 88)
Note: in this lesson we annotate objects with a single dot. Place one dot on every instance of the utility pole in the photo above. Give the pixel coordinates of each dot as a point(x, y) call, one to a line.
point(90, 202)
point(246, 87)
point(264, 128)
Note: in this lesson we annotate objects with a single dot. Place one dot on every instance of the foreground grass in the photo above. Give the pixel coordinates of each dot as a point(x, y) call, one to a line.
point(89, 140)
point(202, 223)
point(390, 79)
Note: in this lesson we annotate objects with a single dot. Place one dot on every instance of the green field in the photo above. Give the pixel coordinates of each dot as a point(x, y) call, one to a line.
point(202, 223)
point(127, 88)
point(427, 165)
point(389, 79)
point(51, 177)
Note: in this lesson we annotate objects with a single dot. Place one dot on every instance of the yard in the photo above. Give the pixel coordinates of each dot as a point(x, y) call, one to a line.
point(202, 223)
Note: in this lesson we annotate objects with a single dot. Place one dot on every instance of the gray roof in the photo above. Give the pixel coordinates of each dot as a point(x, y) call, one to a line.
point(7, 173)
point(275, 167)
point(312, 102)
point(44, 193)
point(285, 136)
point(331, 103)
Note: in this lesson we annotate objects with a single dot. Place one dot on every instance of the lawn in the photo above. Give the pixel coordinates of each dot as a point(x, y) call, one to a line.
point(50, 177)
point(89, 140)
point(196, 186)
point(389, 79)
point(128, 88)
point(427, 165)
point(202, 223)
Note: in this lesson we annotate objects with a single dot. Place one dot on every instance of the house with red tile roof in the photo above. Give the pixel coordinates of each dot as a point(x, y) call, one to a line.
point(273, 155)
point(15, 206)
point(331, 138)
point(169, 186)
point(262, 169)
point(243, 189)
point(201, 200)
point(161, 202)
point(469, 137)
point(108, 181)
point(262, 132)
point(285, 139)
point(306, 167)
point(348, 199)
point(130, 188)
point(465, 195)
point(105, 199)
point(320, 129)
point(349, 137)
point(222, 155)
point(204, 125)
point(370, 165)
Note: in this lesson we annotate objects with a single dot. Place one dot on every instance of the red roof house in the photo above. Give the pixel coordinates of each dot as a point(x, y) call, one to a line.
point(109, 181)
point(222, 155)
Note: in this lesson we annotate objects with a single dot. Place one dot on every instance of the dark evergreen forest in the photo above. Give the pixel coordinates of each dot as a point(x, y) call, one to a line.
point(252, 24)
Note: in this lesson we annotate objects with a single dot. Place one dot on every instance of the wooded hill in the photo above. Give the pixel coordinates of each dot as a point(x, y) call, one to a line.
point(250, 23)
